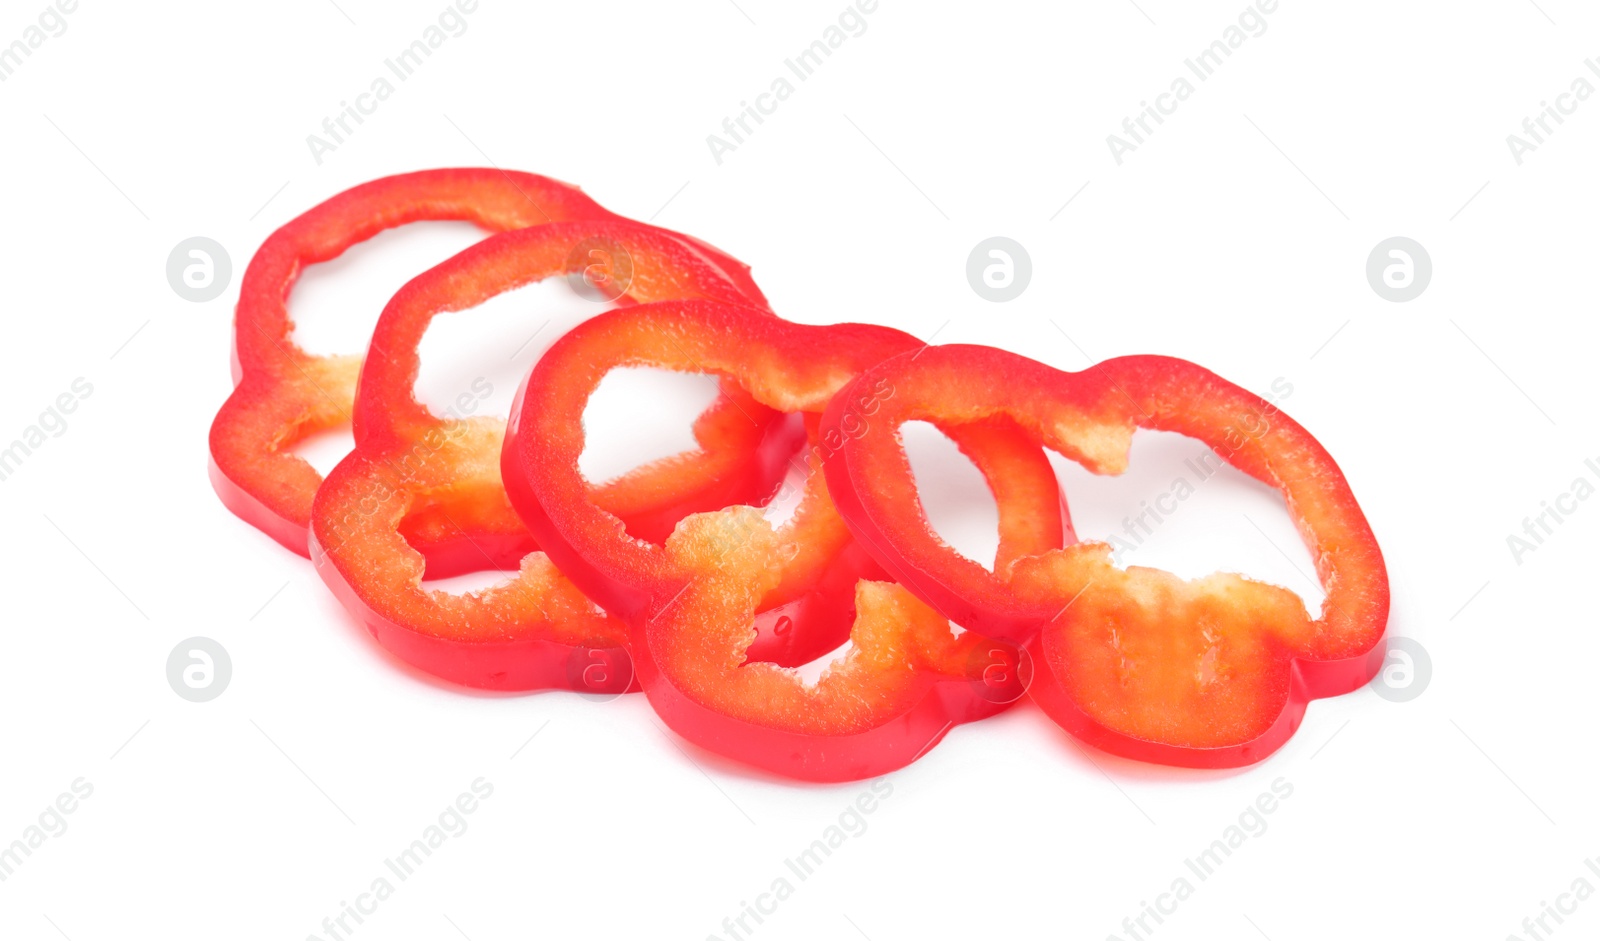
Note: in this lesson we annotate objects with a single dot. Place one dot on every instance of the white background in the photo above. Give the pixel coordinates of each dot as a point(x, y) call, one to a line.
point(1237, 236)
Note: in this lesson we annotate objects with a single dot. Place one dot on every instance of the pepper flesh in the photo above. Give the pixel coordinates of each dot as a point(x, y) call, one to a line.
point(283, 394)
point(1214, 672)
point(692, 603)
point(413, 472)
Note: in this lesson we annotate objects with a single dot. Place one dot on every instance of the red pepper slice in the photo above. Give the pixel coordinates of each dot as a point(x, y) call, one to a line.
point(1214, 672)
point(691, 604)
point(283, 394)
point(414, 475)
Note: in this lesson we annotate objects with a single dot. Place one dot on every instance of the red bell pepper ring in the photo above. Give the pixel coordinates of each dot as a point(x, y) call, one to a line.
point(283, 394)
point(691, 604)
point(415, 476)
point(1214, 672)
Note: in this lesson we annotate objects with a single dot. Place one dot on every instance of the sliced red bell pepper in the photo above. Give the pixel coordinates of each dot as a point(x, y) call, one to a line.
point(415, 476)
point(283, 394)
point(693, 603)
point(1214, 672)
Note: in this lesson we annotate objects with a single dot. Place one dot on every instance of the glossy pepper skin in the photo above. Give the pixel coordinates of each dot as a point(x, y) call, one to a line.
point(416, 478)
point(1214, 672)
point(692, 603)
point(283, 394)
